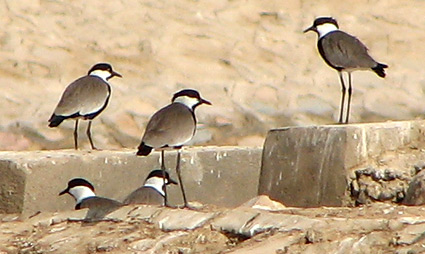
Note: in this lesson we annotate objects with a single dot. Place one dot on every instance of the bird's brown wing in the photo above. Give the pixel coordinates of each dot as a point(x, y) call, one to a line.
point(85, 95)
point(99, 207)
point(173, 125)
point(341, 50)
point(144, 195)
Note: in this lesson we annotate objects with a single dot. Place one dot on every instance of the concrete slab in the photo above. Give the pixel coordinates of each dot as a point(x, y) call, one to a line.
point(31, 181)
point(310, 166)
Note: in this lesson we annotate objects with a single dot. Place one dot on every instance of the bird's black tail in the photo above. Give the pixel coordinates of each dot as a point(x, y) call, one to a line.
point(379, 69)
point(55, 120)
point(143, 149)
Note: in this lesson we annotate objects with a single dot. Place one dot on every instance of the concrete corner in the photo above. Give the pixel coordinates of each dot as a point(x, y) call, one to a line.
point(310, 166)
point(12, 186)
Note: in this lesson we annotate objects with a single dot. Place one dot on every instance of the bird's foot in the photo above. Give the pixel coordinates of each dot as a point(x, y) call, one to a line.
point(191, 206)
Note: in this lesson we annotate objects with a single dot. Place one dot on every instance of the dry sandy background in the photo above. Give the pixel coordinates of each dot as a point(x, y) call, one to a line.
point(250, 58)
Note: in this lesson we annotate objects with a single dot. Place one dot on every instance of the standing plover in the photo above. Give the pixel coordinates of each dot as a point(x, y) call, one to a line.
point(85, 98)
point(172, 127)
point(344, 53)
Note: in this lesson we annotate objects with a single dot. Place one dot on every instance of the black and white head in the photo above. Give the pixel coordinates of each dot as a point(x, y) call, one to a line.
point(155, 180)
point(79, 189)
point(103, 71)
point(189, 97)
point(323, 26)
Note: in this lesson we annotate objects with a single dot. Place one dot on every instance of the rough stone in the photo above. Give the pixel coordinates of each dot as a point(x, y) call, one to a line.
point(275, 244)
point(264, 222)
point(411, 234)
point(312, 166)
point(142, 245)
point(143, 212)
point(379, 184)
point(418, 167)
point(369, 243)
point(265, 203)
point(44, 219)
point(416, 192)
point(234, 220)
point(121, 213)
point(180, 219)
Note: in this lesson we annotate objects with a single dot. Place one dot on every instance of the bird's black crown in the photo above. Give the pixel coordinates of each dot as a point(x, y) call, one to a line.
point(158, 173)
point(324, 20)
point(79, 182)
point(101, 66)
point(187, 92)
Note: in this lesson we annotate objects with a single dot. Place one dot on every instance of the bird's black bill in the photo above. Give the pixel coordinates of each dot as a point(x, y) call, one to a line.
point(171, 181)
point(116, 74)
point(206, 102)
point(312, 28)
point(63, 192)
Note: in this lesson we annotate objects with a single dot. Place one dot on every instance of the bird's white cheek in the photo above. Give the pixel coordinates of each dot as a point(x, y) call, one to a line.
point(324, 29)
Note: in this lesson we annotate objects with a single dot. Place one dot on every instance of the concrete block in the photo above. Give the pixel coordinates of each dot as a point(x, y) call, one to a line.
point(310, 166)
point(31, 181)
point(12, 186)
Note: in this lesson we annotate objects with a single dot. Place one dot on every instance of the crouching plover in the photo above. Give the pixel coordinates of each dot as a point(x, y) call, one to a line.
point(152, 191)
point(83, 193)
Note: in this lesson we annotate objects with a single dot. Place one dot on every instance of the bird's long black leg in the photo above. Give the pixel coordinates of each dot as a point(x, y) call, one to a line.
point(76, 135)
point(89, 136)
point(342, 97)
point(180, 178)
point(164, 178)
point(162, 160)
point(349, 97)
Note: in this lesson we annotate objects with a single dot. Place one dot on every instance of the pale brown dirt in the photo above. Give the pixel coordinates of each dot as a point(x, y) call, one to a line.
point(250, 58)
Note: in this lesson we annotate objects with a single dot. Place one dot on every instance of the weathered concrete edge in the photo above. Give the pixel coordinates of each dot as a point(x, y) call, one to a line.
point(411, 132)
point(12, 183)
point(206, 172)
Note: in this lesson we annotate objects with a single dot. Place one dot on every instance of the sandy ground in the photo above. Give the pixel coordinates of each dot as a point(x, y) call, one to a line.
point(250, 58)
